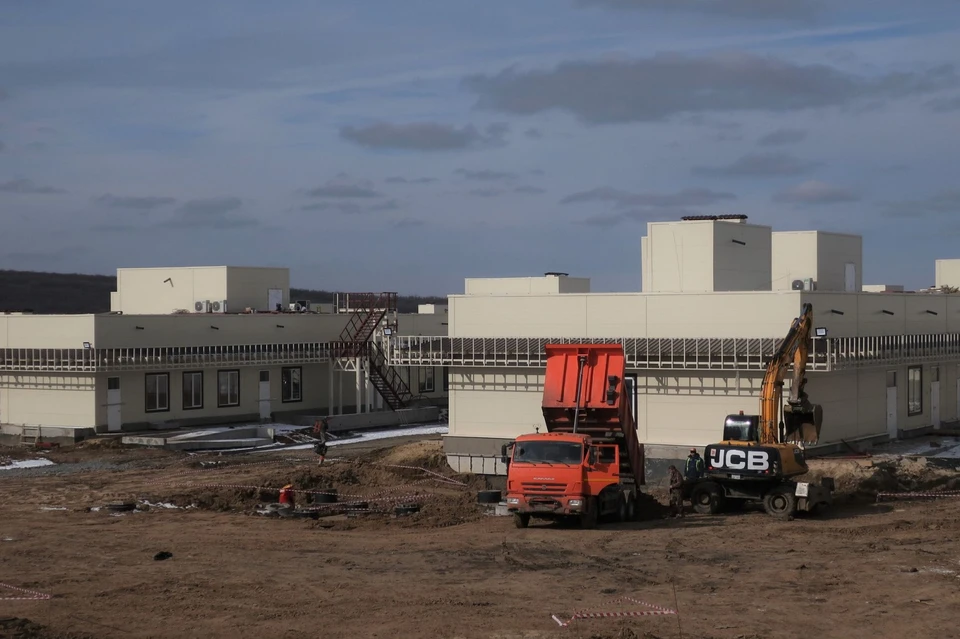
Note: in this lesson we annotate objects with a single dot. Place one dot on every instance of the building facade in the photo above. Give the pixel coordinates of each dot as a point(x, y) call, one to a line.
point(888, 365)
point(157, 364)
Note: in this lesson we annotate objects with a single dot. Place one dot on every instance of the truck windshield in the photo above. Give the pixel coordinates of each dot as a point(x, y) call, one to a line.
point(548, 452)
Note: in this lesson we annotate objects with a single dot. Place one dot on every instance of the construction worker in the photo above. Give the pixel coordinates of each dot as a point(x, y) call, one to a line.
point(286, 496)
point(676, 492)
point(320, 428)
point(693, 470)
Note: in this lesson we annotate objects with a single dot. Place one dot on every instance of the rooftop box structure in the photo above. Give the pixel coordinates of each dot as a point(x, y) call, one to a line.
point(551, 283)
point(816, 260)
point(704, 254)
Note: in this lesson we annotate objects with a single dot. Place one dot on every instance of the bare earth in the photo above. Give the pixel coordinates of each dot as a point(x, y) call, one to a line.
point(864, 570)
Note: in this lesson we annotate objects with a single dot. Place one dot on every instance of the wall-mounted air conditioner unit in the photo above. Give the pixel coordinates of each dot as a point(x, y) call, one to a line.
point(201, 306)
point(797, 285)
point(809, 284)
point(218, 306)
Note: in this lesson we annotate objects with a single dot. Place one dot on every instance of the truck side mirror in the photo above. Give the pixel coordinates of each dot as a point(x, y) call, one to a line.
point(504, 457)
point(592, 456)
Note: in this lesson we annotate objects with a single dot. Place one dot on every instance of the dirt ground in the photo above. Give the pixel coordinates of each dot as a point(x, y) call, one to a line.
point(863, 569)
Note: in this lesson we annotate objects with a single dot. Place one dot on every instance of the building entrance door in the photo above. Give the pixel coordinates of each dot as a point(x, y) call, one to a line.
point(265, 407)
point(114, 422)
point(892, 404)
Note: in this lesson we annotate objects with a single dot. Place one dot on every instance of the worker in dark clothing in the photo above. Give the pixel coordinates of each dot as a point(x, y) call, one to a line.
point(320, 428)
point(676, 492)
point(693, 470)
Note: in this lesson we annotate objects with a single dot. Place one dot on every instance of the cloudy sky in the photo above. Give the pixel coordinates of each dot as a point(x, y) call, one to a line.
point(405, 145)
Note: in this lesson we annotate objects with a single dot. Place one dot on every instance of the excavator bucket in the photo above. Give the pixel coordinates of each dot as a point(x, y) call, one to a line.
point(802, 424)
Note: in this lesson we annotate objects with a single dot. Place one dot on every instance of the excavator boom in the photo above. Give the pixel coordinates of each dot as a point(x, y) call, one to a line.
point(801, 419)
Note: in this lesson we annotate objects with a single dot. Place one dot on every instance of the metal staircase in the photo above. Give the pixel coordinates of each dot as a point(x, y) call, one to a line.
point(368, 312)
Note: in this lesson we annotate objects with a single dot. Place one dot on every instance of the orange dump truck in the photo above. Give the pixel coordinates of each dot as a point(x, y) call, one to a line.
point(589, 463)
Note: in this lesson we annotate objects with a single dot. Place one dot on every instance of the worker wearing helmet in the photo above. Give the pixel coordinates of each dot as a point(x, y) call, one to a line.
point(693, 469)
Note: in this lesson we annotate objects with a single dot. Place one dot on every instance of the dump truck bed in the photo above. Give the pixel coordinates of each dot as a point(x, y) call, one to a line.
point(602, 409)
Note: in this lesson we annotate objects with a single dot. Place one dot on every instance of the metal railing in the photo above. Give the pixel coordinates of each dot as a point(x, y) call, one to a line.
point(94, 360)
point(641, 353)
point(743, 354)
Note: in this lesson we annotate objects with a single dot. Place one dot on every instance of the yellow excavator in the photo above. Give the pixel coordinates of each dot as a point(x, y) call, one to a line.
point(760, 453)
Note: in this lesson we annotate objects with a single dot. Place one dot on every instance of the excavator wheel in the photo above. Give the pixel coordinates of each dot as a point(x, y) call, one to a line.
point(632, 509)
point(780, 502)
point(707, 498)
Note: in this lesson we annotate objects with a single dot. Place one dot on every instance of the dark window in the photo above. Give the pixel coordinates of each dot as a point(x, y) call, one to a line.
point(228, 388)
point(192, 390)
point(113, 383)
point(264, 376)
point(157, 392)
point(446, 379)
point(427, 384)
point(291, 384)
point(914, 390)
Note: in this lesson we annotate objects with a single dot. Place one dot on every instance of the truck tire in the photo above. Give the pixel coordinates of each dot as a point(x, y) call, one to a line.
point(707, 498)
point(632, 509)
point(521, 520)
point(780, 502)
point(589, 517)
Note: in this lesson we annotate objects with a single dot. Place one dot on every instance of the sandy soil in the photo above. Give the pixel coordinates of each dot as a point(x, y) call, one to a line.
point(862, 570)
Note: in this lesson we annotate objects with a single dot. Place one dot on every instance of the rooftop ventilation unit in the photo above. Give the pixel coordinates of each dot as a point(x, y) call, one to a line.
point(555, 274)
point(727, 217)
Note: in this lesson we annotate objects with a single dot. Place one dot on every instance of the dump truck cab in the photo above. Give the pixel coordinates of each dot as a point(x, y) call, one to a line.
point(589, 463)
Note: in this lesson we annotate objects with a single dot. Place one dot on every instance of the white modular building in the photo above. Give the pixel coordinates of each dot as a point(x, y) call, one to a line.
point(205, 345)
point(697, 341)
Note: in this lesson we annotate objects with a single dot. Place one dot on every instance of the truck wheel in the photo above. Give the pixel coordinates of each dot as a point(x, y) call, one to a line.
point(707, 498)
point(780, 502)
point(588, 519)
point(521, 520)
point(632, 509)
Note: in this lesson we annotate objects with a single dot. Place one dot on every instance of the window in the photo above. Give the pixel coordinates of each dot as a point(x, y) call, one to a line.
point(446, 379)
point(157, 392)
point(291, 384)
point(192, 390)
point(113, 383)
point(228, 388)
point(426, 380)
point(264, 376)
point(914, 390)
point(548, 452)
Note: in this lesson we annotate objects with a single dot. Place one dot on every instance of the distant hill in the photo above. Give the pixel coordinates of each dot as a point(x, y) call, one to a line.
point(75, 293)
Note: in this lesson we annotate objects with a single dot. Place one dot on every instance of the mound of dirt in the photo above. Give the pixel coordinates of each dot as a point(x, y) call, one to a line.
point(863, 479)
point(17, 628)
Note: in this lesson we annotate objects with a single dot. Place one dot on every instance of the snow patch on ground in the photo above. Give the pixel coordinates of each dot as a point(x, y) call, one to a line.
point(383, 434)
point(26, 463)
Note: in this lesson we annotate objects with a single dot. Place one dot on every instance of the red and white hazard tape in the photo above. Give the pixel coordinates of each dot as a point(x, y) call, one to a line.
point(34, 595)
point(919, 495)
point(654, 611)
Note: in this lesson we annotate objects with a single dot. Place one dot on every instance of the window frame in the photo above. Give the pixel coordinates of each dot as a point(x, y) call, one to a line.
point(220, 403)
point(423, 378)
point(446, 379)
point(283, 385)
point(913, 401)
point(183, 390)
point(146, 393)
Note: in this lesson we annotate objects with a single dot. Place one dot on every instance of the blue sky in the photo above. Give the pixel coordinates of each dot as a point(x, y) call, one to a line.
point(384, 145)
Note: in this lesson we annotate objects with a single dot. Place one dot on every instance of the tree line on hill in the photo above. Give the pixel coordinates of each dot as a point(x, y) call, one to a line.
point(68, 293)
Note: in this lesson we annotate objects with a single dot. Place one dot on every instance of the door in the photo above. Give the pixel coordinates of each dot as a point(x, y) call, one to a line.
point(113, 405)
point(274, 299)
point(892, 404)
point(935, 396)
point(265, 407)
point(850, 277)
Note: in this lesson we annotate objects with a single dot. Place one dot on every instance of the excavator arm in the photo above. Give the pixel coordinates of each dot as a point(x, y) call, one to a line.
point(801, 418)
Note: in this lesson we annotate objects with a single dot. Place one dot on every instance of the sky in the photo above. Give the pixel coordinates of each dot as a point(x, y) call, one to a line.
point(387, 145)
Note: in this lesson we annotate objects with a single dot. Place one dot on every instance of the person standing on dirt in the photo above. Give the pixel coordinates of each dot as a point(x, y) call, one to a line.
point(676, 492)
point(693, 470)
point(320, 428)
